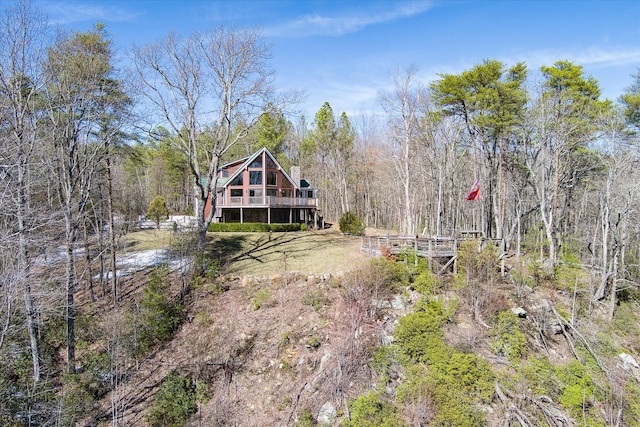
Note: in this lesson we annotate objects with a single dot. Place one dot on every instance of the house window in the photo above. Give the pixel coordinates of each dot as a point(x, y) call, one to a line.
point(286, 193)
point(255, 193)
point(272, 178)
point(225, 173)
point(238, 180)
point(255, 178)
point(272, 192)
point(257, 163)
point(236, 192)
point(271, 164)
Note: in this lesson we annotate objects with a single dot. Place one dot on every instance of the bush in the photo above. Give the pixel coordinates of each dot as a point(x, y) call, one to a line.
point(453, 381)
point(426, 283)
point(157, 210)
point(419, 335)
point(350, 223)
point(253, 227)
point(306, 419)
point(389, 275)
point(160, 316)
point(370, 410)
point(508, 340)
point(174, 402)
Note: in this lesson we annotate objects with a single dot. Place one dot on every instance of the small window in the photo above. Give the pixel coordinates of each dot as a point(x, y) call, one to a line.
point(272, 192)
point(257, 163)
point(255, 193)
point(236, 192)
point(272, 178)
point(286, 193)
point(255, 178)
point(238, 180)
point(271, 164)
point(225, 173)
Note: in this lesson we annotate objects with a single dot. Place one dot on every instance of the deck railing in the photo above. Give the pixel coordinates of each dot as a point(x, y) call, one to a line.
point(430, 247)
point(268, 201)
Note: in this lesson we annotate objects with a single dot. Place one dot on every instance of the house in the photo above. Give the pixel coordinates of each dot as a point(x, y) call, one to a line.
point(258, 189)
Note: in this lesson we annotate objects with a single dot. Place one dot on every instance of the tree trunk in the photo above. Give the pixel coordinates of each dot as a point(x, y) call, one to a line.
point(112, 234)
point(70, 305)
point(23, 209)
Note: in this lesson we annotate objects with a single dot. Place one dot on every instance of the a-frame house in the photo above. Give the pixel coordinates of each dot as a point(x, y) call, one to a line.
point(258, 189)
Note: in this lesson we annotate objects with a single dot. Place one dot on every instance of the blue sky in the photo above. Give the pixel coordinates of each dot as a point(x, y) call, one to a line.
point(345, 52)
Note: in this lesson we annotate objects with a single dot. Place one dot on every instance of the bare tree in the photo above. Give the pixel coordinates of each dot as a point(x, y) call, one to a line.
point(405, 108)
point(210, 89)
point(22, 49)
point(618, 196)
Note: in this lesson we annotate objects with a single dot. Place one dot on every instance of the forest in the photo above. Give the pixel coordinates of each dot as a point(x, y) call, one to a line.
point(86, 145)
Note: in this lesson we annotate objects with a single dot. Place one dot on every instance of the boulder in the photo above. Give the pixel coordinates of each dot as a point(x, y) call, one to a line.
point(327, 414)
point(519, 311)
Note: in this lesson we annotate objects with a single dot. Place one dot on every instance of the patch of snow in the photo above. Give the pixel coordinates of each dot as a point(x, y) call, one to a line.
point(133, 262)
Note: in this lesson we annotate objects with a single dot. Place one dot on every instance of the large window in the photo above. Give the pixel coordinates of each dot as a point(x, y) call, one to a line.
point(255, 178)
point(270, 163)
point(272, 178)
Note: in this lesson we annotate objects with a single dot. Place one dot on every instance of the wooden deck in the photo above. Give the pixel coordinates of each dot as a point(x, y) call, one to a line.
point(429, 247)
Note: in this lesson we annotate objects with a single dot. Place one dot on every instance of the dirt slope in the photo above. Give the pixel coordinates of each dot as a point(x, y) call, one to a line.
point(265, 344)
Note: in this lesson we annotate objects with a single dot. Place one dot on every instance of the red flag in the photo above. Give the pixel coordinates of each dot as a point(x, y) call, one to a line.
point(474, 193)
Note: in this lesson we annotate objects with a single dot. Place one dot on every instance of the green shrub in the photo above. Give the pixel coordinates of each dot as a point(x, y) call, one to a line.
point(350, 223)
point(261, 297)
point(160, 316)
point(541, 377)
point(278, 228)
point(253, 227)
point(370, 410)
point(426, 283)
point(306, 419)
point(507, 338)
point(578, 387)
point(568, 278)
point(419, 335)
point(157, 210)
point(174, 402)
point(315, 298)
point(388, 274)
point(76, 400)
point(632, 408)
point(453, 382)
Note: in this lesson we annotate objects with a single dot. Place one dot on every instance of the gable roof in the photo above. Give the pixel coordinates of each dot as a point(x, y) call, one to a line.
point(246, 161)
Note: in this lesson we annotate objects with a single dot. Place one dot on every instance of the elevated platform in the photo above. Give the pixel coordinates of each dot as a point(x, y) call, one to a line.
point(430, 247)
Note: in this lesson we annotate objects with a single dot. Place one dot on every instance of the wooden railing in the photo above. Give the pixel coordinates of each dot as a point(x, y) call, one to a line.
point(268, 201)
point(428, 247)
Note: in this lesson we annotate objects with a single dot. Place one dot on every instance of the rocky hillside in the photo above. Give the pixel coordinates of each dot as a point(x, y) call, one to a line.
point(380, 342)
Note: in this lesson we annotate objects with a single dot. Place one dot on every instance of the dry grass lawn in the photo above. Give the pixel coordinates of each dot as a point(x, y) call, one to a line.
point(309, 252)
point(266, 254)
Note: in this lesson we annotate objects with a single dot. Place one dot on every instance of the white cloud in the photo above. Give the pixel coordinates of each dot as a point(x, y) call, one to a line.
point(345, 22)
point(593, 56)
point(64, 13)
